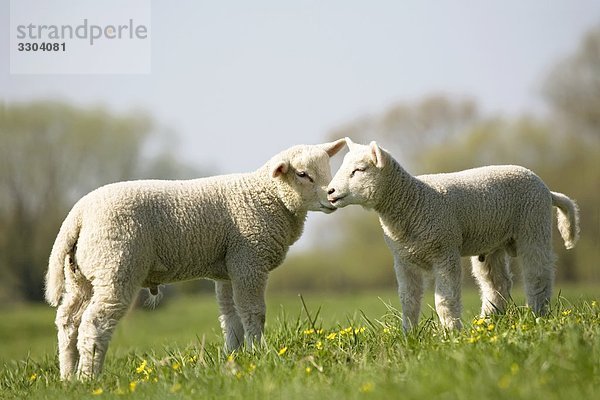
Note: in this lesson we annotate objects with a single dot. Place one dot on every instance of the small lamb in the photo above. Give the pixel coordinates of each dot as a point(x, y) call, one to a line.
point(430, 221)
point(233, 229)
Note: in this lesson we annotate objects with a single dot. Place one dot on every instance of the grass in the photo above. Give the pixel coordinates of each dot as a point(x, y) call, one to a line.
point(352, 346)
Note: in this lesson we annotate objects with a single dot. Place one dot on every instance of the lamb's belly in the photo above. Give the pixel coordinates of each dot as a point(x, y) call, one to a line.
point(483, 244)
point(185, 273)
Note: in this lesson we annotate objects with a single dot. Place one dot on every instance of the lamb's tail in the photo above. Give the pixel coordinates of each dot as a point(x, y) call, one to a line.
point(64, 246)
point(568, 218)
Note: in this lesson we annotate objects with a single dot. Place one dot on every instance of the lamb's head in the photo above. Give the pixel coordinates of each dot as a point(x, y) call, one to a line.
point(302, 173)
point(359, 176)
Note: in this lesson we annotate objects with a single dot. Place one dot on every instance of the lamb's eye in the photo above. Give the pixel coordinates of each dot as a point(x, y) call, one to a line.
point(356, 170)
point(302, 174)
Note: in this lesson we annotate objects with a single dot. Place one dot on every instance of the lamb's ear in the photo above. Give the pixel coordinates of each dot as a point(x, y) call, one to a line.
point(280, 168)
point(333, 147)
point(350, 143)
point(377, 156)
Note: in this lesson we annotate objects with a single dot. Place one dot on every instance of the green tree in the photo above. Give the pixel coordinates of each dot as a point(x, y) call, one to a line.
point(50, 155)
point(572, 89)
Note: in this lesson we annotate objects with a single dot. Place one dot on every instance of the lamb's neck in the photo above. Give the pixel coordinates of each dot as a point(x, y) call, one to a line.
point(400, 196)
point(274, 193)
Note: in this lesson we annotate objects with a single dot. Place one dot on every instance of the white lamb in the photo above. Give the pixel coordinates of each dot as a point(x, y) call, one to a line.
point(430, 221)
point(233, 229)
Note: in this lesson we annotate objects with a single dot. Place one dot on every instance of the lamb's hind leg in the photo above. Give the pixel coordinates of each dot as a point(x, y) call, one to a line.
point(231, 324)
point(494, 279)
point(448, 274)
point(538, 276)
point(107, 306)
point(68, 319)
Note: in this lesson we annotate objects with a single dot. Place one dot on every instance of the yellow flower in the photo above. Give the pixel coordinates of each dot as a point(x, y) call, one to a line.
point(386, 330)
point(251, 367)
point(494, 339)
point(594, 303)
point(132, 386)
point(308, 370)
point(142, 367)
point(504, 382)
point(567, 312)
point(175, 388)
point(176, 366)
point(367, 387)
point(346, 331)
point(120, 391)
point(331, 336)
point(319, 331)
point(33, 377)
point(491, 327)
point(282, 351)
point(480, 321)
point(309, 331)
point(97, 392)
point(231, 357)
point(514, 368)
point(359, 330)
point(319, 345)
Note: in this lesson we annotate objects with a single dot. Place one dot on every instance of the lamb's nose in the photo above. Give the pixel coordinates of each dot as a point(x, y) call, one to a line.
point(330, 191)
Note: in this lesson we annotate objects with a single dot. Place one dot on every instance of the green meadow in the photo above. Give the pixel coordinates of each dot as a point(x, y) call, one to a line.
point(328, 346)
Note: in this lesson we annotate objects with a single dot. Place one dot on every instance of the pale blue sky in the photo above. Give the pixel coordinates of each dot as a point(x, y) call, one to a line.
point(241, 80)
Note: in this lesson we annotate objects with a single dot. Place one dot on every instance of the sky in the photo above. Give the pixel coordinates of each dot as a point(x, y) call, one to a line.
point(240, 81)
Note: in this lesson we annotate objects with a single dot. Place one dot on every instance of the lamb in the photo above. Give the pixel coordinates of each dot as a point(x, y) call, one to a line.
point(430, 221)
point(232, 229)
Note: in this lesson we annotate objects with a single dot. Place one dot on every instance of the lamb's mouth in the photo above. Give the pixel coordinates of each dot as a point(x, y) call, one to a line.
point(326, 208)
point(334, 200)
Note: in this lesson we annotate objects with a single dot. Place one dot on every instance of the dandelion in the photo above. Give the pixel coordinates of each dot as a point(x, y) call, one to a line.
point(480, 321)
point(567, 312)
point(346, 331)
point(367, 387)
point(282, 351)
point(132, 386)
point(142, 367)
point(504, 382)
point(120, 391)
point(514, 368)
point(176, 387)
point(231, 357)
point(33, 377)
point(491, 327)
point(97, 392)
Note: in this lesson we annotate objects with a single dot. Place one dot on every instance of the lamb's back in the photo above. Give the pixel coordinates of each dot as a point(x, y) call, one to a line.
point(490, 203)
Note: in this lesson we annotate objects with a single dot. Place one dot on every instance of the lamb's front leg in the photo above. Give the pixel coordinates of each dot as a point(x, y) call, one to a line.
point(448, 275)
point(249, 297)
point(231, 324)
point(410, 290)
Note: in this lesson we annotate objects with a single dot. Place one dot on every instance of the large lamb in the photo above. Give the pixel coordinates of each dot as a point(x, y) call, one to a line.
point(430, 221)
point(233, 229)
